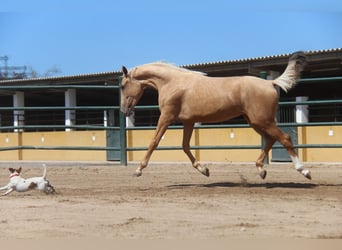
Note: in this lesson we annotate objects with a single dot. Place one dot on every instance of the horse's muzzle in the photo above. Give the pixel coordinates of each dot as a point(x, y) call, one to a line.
point(128, 109)
point(129, 112)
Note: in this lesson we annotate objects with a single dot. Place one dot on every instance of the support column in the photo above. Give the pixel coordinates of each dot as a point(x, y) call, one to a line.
point(108, 118)
point(105, 118)
point(70, 101)
point(302, 116)
point(130, 120)
point(18, 115)
point(302, 111)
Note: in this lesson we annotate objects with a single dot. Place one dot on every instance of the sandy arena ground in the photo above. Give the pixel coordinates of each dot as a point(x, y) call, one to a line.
point(174, 201)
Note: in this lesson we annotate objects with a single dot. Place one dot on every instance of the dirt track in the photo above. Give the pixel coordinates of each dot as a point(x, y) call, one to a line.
point(175, 201)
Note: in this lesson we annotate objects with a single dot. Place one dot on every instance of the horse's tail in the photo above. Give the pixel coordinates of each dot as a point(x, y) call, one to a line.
point(292, 72)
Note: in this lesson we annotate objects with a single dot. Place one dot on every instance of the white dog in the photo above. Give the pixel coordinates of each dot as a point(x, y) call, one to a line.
point(20, 184)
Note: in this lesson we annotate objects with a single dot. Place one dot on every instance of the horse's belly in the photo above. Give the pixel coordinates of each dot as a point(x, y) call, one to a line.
point(207, 114)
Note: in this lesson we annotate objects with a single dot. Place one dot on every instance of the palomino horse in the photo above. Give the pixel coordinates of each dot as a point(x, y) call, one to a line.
point(189, 97)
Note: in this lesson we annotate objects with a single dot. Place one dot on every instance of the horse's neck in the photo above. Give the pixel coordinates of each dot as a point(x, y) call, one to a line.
point(152, 78)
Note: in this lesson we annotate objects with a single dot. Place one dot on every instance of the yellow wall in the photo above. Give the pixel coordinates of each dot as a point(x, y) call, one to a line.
point(60, 138)
point(203, 137)
point(242, 136)
point(142, 138)
point(9, 140)
point(320, 135)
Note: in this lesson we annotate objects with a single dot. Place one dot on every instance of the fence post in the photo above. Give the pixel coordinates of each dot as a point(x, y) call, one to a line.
point(122, 124)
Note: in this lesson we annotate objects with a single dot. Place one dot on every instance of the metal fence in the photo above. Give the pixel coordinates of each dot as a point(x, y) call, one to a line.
point(122, 129)
point(228, 126)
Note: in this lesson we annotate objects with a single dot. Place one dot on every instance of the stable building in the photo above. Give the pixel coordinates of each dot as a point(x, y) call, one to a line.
point(78, 118)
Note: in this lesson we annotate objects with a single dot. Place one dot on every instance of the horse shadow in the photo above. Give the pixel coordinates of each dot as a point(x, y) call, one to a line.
point(267, 185)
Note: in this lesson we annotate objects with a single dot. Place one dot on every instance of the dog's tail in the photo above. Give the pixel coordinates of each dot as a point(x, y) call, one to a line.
point(291, 74)
point(44, 173)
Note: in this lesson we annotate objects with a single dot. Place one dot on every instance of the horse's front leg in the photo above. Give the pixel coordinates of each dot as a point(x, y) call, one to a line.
point(187, 132)
point(163, 123)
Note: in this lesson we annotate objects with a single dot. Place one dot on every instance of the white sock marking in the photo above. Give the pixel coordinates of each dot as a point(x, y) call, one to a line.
point(298, 165)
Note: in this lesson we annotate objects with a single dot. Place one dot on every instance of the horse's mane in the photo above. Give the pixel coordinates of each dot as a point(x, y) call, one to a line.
point(174, 67)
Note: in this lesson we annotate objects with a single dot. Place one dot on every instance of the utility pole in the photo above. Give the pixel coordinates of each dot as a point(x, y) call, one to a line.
point(5, 59)
point(7, 72)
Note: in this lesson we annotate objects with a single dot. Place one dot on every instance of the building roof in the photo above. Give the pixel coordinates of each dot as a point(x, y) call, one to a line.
point(264, 58)
point(329, 60)
point(68, 79)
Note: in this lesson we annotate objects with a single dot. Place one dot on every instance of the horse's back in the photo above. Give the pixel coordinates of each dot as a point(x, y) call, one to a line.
point(213, 99)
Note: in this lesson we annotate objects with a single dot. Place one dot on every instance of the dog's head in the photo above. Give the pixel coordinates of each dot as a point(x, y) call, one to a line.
point(14, 172)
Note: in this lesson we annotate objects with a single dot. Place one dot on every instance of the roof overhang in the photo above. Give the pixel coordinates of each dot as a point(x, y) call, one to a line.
point(327, 62)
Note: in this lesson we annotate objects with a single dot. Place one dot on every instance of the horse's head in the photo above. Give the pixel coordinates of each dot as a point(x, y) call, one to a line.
point(131, 92)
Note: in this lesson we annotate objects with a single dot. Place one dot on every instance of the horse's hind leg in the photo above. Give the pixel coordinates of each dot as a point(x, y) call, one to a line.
point(269, 141)
point(187, 132)
point(274, 132)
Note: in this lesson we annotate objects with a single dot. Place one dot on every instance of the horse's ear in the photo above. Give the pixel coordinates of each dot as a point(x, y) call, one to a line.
point(124, 71)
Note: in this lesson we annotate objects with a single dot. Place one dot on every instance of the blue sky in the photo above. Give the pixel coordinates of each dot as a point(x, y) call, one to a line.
point(95, 36)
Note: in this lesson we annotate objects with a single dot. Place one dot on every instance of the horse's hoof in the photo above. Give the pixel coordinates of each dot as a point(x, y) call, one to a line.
point(205, 171)
point(306, 173)
point(137, 174)
point(263, 174)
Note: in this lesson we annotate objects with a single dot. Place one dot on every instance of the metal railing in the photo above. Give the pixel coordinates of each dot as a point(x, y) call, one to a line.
point(228, 147)
point(121, 128)
point(22, 128)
